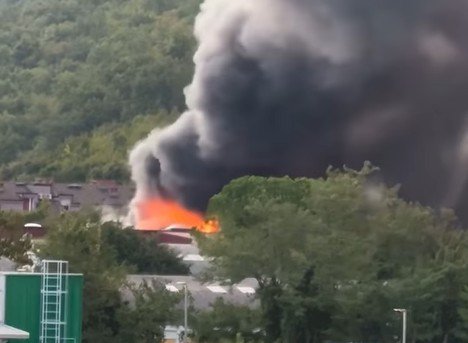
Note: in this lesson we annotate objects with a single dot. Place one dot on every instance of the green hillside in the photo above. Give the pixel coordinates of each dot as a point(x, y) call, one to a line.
point(82, 80)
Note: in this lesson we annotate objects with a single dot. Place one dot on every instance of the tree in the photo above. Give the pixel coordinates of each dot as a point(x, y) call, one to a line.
point(99, 251)
point(145, 255)
point(14, 244)
point(71, 71)
point(225, 322)
point(145, 318)
point(334, 256)
point(76, 238)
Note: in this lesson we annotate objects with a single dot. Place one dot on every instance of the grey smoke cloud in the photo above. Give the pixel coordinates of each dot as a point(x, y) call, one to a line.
point(293, 86)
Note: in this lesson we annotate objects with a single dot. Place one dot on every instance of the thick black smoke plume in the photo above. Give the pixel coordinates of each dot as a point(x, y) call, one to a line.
point(293, 86)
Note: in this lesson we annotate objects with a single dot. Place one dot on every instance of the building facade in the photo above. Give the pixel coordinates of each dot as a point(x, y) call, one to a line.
point(26, 197)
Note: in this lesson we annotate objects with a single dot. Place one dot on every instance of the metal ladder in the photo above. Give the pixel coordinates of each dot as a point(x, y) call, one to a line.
point(54, 294)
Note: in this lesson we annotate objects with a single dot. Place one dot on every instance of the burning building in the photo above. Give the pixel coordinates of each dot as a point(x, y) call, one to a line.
point(170, 213)
point(289, 87)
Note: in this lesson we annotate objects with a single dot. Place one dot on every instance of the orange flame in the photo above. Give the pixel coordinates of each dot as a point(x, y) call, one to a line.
point(209, 226)
point(157, 214)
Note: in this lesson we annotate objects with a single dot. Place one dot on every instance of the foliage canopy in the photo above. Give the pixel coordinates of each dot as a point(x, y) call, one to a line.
point(99, 252)
point(334, 256)
point(82, 81)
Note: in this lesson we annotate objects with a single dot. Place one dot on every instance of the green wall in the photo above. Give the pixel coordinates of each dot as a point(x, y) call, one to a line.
point(23, 305)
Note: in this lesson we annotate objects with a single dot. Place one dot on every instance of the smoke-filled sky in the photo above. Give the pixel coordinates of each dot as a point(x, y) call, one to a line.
point(289, 87)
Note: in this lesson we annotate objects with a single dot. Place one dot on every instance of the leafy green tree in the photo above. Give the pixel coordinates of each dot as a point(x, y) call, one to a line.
point(263, 235)
point(99, 251)
point(226, 322)
point(145, 318)
point(14, 244)
point(70, 70)
point(334, 256)
point(462, 332)
point(76, 238)
point(145, 255)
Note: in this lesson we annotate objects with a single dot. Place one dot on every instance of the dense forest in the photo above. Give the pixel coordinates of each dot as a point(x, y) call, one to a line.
point(82, 80)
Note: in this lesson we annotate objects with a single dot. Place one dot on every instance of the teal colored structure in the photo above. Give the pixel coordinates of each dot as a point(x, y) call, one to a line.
point(21, 303)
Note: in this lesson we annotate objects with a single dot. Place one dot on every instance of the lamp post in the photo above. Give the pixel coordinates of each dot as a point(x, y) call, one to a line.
point(184, 284)
point(403, 312)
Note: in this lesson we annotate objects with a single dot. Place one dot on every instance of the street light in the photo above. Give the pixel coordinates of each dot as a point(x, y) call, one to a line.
point(184, 284)
point(404, 312)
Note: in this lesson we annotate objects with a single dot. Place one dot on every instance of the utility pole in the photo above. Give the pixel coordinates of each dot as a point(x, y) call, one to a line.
point(184, 284)
point(404, 313)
